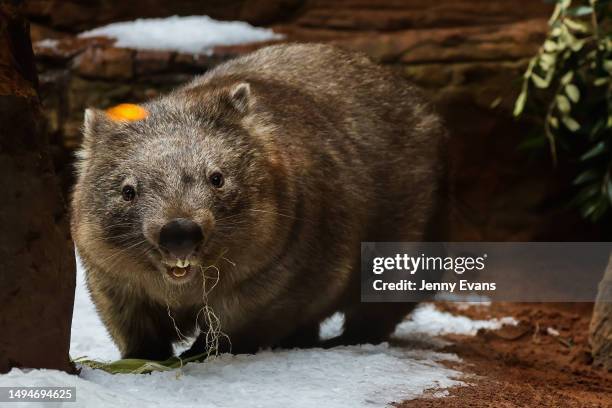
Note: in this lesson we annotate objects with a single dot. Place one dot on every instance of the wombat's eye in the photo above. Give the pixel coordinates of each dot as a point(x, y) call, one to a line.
point(216, 179)
point(128, 193)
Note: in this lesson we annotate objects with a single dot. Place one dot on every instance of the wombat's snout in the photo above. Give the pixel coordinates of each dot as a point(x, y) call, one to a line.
point(181, 237)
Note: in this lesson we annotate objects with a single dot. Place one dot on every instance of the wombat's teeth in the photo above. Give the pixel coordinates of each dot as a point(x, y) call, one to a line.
point(179, 272)
point(182, 263)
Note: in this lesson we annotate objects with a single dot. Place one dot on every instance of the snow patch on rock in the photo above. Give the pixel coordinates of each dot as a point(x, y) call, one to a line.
point(191, 34)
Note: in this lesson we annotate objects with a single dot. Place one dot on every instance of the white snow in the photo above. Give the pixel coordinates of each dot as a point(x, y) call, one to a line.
point(192, 34)
point(332, 326)
point(89, 336)
point(426, 319)
point(47, 43)
point(359, 376)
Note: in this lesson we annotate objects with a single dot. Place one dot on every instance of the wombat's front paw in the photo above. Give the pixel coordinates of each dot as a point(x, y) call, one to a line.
point(199, 348)
point(225, 345)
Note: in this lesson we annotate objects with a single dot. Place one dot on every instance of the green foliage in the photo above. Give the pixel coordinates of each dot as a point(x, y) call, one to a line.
point(138, 366)
point(569, 83)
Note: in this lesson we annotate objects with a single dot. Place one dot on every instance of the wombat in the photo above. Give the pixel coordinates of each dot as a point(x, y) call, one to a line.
point(260, 177)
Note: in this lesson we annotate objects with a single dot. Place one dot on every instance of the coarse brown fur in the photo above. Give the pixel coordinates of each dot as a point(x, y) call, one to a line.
point(321, 149)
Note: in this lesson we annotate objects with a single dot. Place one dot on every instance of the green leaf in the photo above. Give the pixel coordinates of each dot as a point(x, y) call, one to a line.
point(587, 193)
point(539, 82)
point(567, 37)
point(602, 208)
point(495, 102)
point(550, 46)
point(139, 366)
point(577, 45)
point(547, 61)
point(601, 81)
point(580, 11)
point(555, 15)
point(588, 209)
point(576, 25)
point(585, 176)
point(598, 127)
point(554, 122)
point(567, 78)
point(596, 150)
point(572, 92)
point(563, 104)
point(608, 66)
point(567, 54)
point(595, 207)
point(519, 105)
point(549, 58)
point(570, 123)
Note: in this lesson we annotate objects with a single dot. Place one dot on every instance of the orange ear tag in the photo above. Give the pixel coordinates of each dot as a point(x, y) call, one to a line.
point(127, 112)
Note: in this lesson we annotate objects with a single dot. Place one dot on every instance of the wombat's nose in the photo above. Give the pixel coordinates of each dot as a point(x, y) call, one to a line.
point(180, 237)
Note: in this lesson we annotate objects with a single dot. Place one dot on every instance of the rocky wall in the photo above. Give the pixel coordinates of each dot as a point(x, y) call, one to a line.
point(467, 54)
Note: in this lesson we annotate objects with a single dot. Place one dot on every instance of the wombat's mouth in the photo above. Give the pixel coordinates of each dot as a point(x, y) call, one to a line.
point(180, 272)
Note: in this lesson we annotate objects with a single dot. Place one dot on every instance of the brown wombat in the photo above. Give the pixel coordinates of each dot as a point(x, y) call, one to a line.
point(272, 167)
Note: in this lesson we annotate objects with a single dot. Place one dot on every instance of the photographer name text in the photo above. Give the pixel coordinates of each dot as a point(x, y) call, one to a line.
point(406, 264)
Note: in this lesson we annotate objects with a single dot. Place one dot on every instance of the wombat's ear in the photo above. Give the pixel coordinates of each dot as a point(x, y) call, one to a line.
point(95, 124)
point(95, 121)
point(240, 97)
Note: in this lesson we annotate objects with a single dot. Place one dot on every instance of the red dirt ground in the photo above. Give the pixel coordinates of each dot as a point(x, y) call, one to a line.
point(528, 365)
